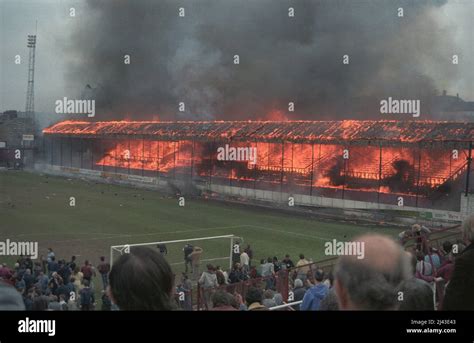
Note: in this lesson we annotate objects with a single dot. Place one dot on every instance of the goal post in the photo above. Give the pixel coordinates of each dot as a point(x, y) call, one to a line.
point(213, 250)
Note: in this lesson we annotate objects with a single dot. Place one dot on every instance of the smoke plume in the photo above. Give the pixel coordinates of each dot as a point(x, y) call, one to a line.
point(283, 59)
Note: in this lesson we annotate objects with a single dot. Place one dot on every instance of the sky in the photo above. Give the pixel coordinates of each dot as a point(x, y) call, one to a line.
point(57, 54)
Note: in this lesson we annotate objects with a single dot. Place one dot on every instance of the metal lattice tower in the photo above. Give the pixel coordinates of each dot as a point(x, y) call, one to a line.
point(30, 92)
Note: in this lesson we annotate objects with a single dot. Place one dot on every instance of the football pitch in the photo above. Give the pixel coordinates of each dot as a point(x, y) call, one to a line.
point(35, 207)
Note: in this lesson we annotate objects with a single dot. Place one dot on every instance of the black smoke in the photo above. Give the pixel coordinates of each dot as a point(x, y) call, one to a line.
point(404, 178)
point(282, 59)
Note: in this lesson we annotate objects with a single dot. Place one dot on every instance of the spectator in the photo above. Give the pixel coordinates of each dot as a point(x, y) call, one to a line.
point(62, 302)
point(329, 302)
point(267, 272)
point(87, 271)
point(162, 249)
point(417, 295)
point(72, 263)
point(446, 248)
point(53, 304)
point(208, 282)
point(20, 283)
point(298, 293)
point(371, 283)
point(433, 258)
point(221, 276)
point(287, 262)
point(236, 274)
point(78, 278)
point(260, 267)
point(28, 278)
point(244, 262)
point(303, 268)
point(28, 263)
point(268, 299)
point(50, 255)
point(29, 298)
point(64, 271)
point(314, 295)
point(186, 287)
point(10, 299)
point(40, 303)
point(421, 233)
point(62, 289)
point(446, 271)
point(53, 266)
point(104, 269)
point(142, 280)
point(423, 268)
point(254, 299)
point(87, 297)
point(37, 269)
point(5, 272)
point(72, 304)
point(239, 302)
point(196, 260)
point(42, 282)
point(53, 284)
point(253, 274)
point(277, 266)
point(223, 301)
point(249, 252)
point(106, 303)
point(70, 285)
point(460, 246)
point(460, 290)
point(187, 250)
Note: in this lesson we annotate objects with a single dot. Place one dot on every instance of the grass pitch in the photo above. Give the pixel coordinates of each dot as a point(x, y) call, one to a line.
point(36, 207)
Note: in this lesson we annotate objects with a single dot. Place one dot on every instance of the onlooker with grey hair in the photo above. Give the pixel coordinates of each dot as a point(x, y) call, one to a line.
point(417, 295)
point(372, 283)
point(329, 302)
point(10, 299)
point(298, 293)
point(460, 290)
point(223, 301)
point(268, 300)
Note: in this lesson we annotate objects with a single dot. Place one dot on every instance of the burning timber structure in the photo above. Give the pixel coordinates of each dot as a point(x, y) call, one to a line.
point(348, 164)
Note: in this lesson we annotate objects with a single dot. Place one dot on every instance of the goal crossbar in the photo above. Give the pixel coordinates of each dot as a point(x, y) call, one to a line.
point(122, 247)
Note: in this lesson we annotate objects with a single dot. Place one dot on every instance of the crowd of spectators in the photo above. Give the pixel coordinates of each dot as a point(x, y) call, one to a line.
point(52, 284)
point(389, 277)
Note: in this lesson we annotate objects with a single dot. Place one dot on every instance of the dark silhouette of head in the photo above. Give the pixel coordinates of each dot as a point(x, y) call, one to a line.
point(142, 280)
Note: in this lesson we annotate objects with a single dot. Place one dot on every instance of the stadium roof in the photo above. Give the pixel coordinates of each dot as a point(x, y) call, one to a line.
point(407, 132)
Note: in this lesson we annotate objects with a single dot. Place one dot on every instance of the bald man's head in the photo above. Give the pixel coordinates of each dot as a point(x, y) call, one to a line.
point(372, 283)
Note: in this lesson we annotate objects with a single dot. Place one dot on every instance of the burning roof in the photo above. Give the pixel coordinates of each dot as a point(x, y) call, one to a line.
point(407, 132)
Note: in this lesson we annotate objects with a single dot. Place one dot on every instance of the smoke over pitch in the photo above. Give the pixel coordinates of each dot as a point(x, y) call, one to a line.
point(282, 59)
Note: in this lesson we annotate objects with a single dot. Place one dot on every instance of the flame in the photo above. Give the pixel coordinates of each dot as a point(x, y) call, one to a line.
point(276, 115)
point(283, 154)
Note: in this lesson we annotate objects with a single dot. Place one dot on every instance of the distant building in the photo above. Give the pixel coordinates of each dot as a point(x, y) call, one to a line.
point(449, 107)
point(17, 132)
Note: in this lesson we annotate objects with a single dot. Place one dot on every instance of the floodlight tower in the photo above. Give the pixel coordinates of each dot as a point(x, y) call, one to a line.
point(30, 92)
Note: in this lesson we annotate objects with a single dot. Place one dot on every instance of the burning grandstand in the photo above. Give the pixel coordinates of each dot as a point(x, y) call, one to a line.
point(414, 164)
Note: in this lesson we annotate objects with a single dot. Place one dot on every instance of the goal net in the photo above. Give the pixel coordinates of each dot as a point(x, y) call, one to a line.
point(216, 250)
